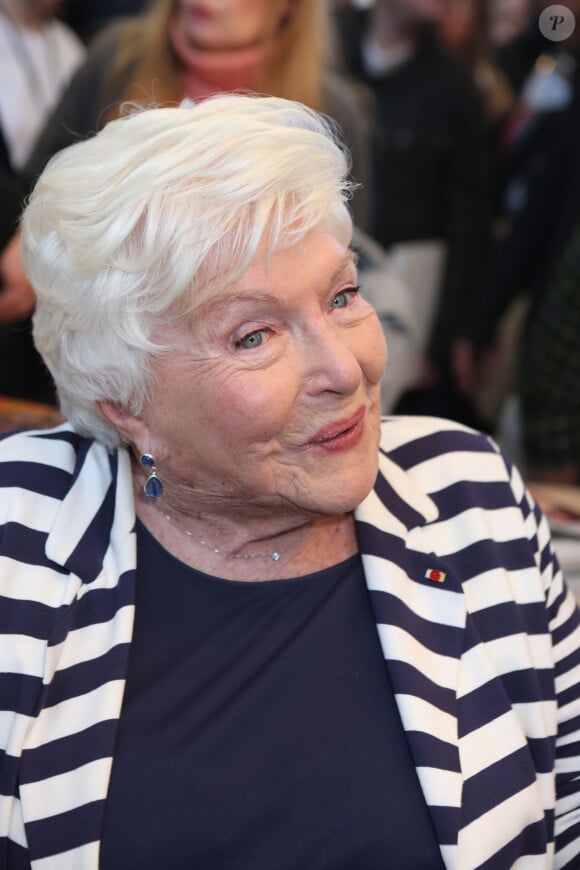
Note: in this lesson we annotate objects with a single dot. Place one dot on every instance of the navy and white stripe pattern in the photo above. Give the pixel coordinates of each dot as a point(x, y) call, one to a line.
point(67, 562)
point(480, 636)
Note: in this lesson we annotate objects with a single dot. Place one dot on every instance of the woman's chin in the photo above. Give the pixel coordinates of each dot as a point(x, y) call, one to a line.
point(340, 493)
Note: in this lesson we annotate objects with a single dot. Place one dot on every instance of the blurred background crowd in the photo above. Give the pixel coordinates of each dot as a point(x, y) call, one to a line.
point(463, 121)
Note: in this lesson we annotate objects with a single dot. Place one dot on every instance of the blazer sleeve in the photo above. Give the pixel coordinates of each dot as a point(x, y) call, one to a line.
point(564, 623)
point(565, 629)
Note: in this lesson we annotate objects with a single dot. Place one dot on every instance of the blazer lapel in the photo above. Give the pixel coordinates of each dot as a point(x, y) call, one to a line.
point(420, 614)
point(92, 538)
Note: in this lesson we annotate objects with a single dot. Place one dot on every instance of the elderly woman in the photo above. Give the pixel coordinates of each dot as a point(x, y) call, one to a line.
point(246, 626)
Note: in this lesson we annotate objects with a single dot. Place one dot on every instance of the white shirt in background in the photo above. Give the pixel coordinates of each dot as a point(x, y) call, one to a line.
point(35, 66)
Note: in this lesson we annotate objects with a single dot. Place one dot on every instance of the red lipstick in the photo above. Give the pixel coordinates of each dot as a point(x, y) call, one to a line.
point(200, 13)
point(341, 435)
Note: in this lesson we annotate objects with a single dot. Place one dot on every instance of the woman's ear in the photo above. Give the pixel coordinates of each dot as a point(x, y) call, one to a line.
point(132, 427)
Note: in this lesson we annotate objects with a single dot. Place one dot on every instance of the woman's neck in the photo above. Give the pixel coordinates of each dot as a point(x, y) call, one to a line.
point(235, 546)
point(209, 72)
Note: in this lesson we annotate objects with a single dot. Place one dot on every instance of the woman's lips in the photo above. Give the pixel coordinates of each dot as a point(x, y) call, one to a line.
point(200, 13)
point(340, 435)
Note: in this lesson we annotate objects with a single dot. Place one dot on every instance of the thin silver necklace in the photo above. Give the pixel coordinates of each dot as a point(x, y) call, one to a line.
point(275, 555)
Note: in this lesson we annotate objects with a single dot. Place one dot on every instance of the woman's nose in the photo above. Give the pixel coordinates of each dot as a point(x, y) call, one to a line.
point(331, 364)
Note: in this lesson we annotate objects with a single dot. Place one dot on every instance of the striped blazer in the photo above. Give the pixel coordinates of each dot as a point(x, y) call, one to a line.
point(480, 636)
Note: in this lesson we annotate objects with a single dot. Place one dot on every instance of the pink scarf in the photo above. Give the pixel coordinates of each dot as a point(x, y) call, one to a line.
point(211, 72)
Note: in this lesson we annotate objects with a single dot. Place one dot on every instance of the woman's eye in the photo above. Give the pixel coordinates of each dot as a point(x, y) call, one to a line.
point(252, 339)
point(343, 299)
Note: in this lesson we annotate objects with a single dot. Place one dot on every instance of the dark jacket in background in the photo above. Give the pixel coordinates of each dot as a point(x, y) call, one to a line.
point(524, 261)
point(22, 372)
point(88, 17)
point(432, 164)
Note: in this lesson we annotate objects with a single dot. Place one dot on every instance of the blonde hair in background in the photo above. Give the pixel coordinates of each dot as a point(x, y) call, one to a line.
point(293, 71)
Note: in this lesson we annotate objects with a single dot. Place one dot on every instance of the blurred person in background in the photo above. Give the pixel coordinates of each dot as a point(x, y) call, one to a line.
point(538, 262)
point(38, 56)
point(524, 299)
point(431, 173)
point(506, 20)
point(87, 17)
point(464, 30)
point(543, 75)
point(22, 373)
point(548, 383)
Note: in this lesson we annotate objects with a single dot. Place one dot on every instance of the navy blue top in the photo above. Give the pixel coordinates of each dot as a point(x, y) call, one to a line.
point(259, 730)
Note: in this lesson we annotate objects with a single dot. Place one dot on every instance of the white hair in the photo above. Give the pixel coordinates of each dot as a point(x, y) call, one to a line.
point(123, 228)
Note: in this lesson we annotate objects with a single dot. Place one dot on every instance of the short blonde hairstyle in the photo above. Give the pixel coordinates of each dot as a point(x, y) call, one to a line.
point(122, 229)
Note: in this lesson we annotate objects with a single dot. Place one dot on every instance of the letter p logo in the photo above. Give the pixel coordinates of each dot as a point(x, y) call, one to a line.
point(557, 23)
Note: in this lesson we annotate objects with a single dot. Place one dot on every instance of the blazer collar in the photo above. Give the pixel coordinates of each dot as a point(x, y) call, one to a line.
point(96, 512)
point(396, 504)
point(420, 612)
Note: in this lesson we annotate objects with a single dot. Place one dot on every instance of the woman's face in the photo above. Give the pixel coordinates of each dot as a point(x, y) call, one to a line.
point(459, 22)
point(271, 400)
point(225, 25)
point(507, 18)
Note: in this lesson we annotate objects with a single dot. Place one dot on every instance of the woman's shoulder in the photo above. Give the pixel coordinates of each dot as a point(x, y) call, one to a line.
point(67, 41)
point(438, 453)
point(108, 38)
point(44, 561)
point(346, 98)
point(40, 462)
point(102, 51)
point(454, 466)
point(33, 444)
point(62, 497)
point(435, 435)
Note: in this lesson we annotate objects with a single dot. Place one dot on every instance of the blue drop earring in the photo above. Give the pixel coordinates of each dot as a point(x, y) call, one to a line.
point(153, 487)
